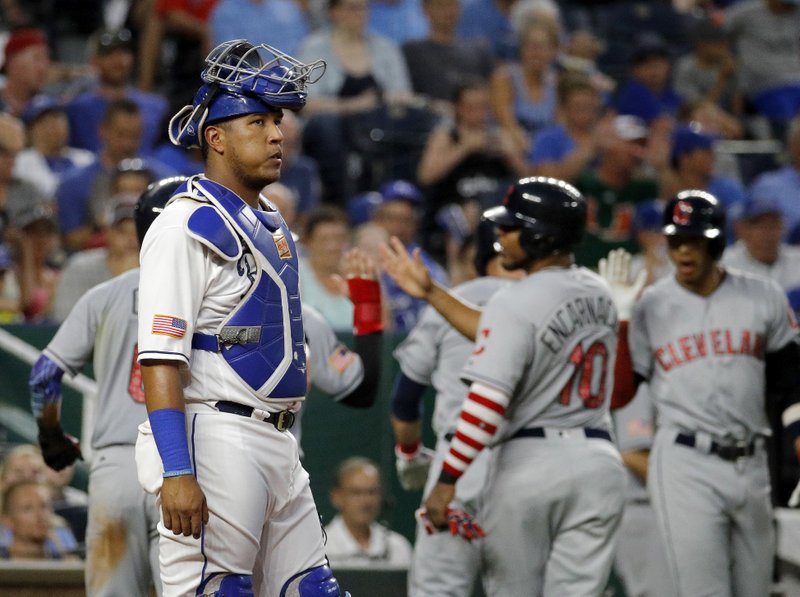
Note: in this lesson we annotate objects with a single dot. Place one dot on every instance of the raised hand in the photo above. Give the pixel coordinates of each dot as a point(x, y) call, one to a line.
point(408, 271)
point(616, 270)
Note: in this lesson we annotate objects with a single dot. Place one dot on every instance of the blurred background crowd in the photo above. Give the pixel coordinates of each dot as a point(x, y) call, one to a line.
point(428, 109)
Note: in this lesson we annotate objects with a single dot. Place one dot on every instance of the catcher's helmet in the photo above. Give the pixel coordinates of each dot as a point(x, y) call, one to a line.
point(696, 213)
point(152, 201)
point(240, 78)
point(550, 212)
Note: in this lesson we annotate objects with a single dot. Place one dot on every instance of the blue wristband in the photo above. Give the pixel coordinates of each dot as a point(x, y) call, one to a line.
point(169, 431)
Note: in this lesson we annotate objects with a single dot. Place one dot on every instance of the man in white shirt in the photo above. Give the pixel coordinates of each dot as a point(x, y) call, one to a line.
point(354, 538)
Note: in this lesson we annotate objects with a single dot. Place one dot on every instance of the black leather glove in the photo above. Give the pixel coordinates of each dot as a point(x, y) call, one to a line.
point(59, 449)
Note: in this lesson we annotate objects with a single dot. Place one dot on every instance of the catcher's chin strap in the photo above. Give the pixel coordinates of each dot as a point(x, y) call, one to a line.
point(187, 117)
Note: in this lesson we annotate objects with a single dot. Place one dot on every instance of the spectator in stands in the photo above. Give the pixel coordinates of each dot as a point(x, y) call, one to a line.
point(33, 237)
point(709, 73)
point(285, 200)
point(25, 66)
point(439, 62)
point(758, 223)
point(469, 160)
point(397, 213)
point(398, 20)
point(766, 35)
point(248, 19)
point(22, 463)
point(185, 25)
point(325, 237)
point(84, 188)
point(648, 93)
point(489, 21)
point(69, 503)
point(13, 192)
point(613, 187)
point(783, 185)
point(564, 150)
point(9, 289)
point(523, 92)
point(354, 538)
point(579, 57)
point(28, 516)
point(90, 267)
point(365, 73)
point(48, 156)
point(298, 171)
point(112, 56)
point(693, 162)
point(652, 245)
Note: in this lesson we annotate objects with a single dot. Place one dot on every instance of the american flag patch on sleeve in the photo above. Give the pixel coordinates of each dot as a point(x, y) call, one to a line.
point(167, 325)
point(341, 358)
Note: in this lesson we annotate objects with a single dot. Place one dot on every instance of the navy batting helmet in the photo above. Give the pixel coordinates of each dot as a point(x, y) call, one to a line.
point(152, 201)
point(550, 212)
point(240, 78)
point(696, 213)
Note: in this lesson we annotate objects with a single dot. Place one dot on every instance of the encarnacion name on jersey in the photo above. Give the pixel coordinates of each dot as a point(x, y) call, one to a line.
point(579, 312)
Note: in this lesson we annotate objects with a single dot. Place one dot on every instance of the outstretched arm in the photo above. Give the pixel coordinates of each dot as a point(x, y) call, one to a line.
point(412, 275)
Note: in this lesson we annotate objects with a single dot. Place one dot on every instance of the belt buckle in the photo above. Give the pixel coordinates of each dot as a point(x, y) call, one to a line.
point(734, 451)
point(284, 420)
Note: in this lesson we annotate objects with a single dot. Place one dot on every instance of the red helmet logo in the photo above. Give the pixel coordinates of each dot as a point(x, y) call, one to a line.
point(682, 213)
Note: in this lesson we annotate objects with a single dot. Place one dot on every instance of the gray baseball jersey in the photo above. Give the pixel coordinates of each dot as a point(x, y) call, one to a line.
point(121, 535)
point(548, 341)
point(553, 501)
point(103, 326)
point(704, 356)
point(785, 271)
point(334, 368)
point(434, 353)
point(704, 359)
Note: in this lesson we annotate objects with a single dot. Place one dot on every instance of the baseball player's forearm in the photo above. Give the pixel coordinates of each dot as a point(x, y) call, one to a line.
point(636, 461)
point(625, 382)
point(481, 415)
point(368, 348)
point(406, 433)
point(162, 385)
point(463, 316)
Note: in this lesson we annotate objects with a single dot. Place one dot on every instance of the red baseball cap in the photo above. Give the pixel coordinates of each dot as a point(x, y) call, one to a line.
point(20, 40)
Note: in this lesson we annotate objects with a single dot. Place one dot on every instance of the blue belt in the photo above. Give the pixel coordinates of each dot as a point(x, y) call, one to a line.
point(589, 432)
point(282, 420)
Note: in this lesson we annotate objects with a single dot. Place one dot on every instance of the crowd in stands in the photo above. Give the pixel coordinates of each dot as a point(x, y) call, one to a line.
point(427, 110)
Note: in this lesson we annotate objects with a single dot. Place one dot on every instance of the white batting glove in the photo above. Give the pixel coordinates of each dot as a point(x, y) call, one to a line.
point(794, 499)
point(616, 270)
point(412, 469)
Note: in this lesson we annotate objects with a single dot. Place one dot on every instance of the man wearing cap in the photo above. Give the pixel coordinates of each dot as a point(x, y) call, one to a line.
point(25, 65)
point(613, 187)
point(112, 58)
point(693, 161)
point(48, 156)
point(88, 268)
point(396, 212)
point(648, 94)
point(80, 189)
point(758, 248)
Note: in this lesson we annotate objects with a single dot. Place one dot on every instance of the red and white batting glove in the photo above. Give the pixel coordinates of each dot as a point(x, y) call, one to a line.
point(413, 463)
point(460, 523)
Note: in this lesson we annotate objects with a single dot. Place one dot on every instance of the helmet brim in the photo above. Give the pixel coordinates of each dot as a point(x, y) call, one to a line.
point(673, 230)
point(500, 216)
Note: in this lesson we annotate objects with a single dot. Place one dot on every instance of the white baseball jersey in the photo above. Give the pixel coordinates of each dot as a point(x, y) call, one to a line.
point(785, 271)
point(102, 325)
point(548, 341)
point(189, 289)
point(704, 356)
point(434, 353)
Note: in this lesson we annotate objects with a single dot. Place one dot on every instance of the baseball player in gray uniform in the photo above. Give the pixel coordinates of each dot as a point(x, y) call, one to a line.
point(121, 537)
point(541, 377)
point(222, 348)
point(710, 342)
point(639, 560)
point(434, 353)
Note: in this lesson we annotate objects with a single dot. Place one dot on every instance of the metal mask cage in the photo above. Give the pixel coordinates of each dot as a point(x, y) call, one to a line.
point(262, 70)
